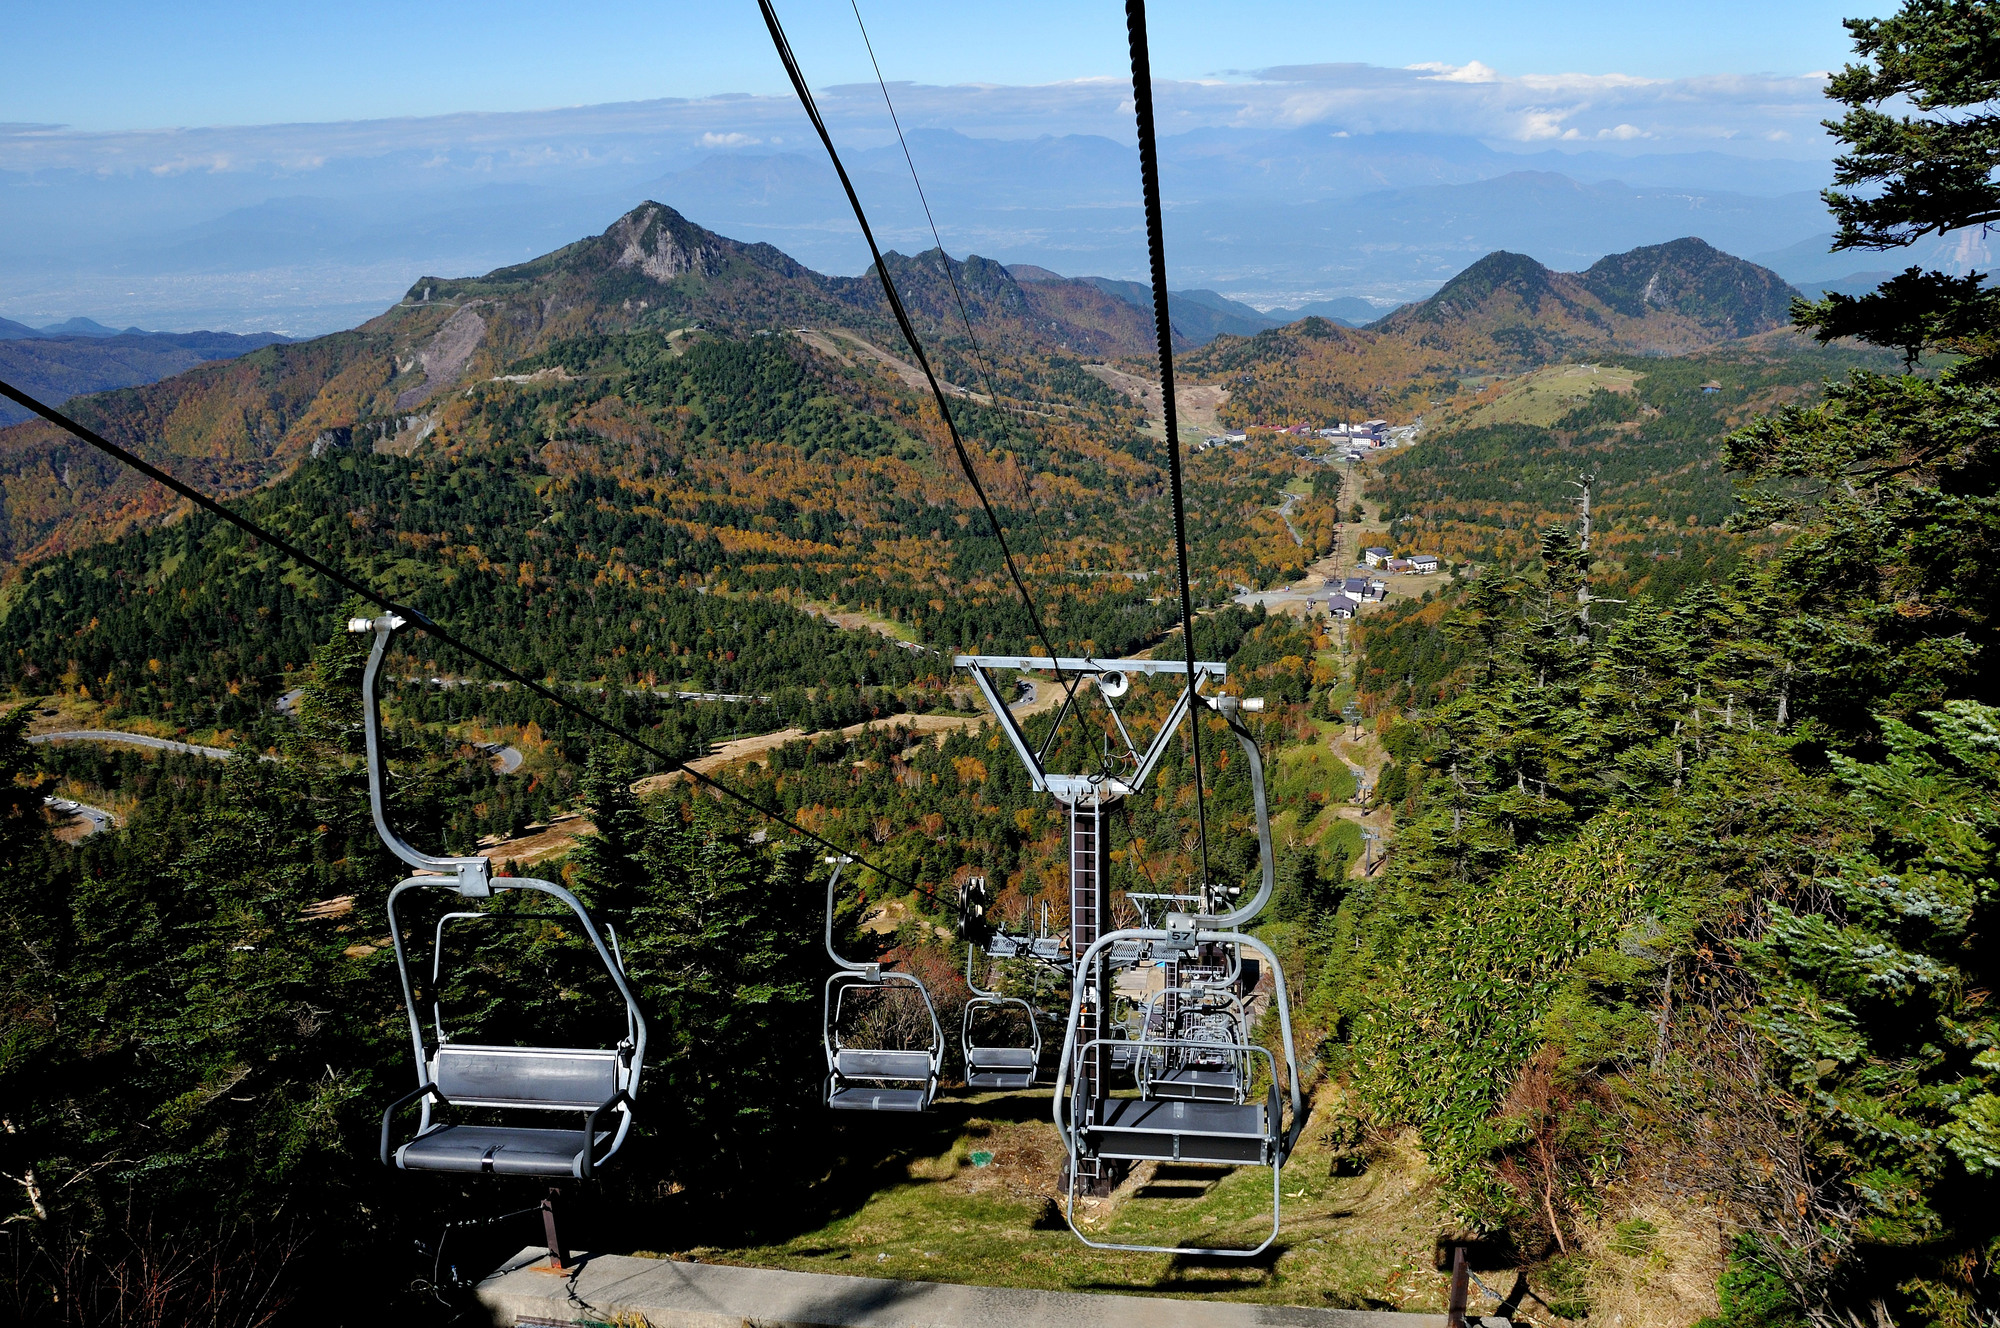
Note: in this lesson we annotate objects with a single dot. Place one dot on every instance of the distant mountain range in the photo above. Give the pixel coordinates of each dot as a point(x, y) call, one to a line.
point(1198, 316)
point(238, 424)
point(75, 327)
point(1279, 219)
point(79, 356)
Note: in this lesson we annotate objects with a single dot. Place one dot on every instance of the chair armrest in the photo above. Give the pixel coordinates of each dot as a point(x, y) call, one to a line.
point(590, 1128)
point(428, 1090)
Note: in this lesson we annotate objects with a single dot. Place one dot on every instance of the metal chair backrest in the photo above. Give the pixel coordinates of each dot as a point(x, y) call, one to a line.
point(913, 1066)
point(541, 1078)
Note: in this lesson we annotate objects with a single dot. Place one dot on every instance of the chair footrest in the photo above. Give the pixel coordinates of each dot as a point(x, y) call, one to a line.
point(878, 1099)
point(501, 1150)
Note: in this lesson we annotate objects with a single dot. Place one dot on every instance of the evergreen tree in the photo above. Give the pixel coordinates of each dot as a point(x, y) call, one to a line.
point(22, 821)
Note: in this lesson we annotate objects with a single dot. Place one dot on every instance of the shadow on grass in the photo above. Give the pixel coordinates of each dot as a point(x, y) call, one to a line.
point(853, 1158)
point(1195, 1273)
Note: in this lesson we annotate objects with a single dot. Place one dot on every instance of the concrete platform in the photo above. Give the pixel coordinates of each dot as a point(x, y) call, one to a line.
point(666, 1294)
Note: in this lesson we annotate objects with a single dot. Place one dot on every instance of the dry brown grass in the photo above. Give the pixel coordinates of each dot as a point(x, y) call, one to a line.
point(1664, 1278)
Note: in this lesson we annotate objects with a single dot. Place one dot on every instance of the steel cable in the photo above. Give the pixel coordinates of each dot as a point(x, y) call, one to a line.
point(978, 352)
point(1156, 246)
point(811, 107)
point(422, 622)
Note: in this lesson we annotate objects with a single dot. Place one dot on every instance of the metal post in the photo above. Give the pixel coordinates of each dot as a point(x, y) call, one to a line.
point(1460, 1276)
point(557, 1249)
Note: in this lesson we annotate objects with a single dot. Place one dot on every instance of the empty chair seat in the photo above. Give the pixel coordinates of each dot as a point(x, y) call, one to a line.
point(1001, 1067)
point(884, 1071)
point(579, 1080)
point(500, 1150)
point(1219, 1132)
point(849, 1088)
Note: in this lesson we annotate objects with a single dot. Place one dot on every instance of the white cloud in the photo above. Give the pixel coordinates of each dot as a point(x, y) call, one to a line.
point(1760, 113)
point(1474, 72)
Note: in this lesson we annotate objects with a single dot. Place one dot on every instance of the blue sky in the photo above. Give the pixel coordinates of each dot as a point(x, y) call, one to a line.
point(93, 64)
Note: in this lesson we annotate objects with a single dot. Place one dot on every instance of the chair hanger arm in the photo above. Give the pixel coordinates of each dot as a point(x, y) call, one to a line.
point(475, 874)
point(1231, 708)
point(832, 886)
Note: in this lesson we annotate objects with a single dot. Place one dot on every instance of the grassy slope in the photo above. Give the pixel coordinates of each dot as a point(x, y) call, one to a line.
point(927, 1212)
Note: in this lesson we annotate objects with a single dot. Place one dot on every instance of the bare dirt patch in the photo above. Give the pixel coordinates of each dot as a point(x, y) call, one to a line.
point(1194, 403)
point(559, 836)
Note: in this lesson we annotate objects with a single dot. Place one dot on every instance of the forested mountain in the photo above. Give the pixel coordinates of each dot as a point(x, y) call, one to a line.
point(1504, 314)
point(584, 463)
point(55, 367)
point(1725, 296)
point(1481, 487)
point(1507, 311)
point(653, 273)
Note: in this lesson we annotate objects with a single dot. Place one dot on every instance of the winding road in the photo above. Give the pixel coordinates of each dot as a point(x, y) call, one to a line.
point(138, 740)
point(1284, 511)
point(508, 758)
point(99, 818)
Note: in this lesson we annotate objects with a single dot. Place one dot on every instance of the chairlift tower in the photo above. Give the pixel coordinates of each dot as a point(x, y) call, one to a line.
point(1090, 799)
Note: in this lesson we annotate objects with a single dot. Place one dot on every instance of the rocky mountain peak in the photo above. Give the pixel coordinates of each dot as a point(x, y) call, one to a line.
point(664, 245)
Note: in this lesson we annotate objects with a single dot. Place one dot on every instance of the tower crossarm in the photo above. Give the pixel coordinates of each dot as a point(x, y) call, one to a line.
point(1111, 676)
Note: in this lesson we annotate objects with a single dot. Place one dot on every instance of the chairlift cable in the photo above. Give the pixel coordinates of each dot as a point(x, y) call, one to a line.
point(978, 352)
point(420, 620)
point(895, 300)
point(1156, 246)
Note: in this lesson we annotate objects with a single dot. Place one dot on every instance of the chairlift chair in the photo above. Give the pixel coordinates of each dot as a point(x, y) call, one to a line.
point(874, 1078)
point(1230, 1132)
point(1202, 1057)
point(993, 1066)
point(600, 1085)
